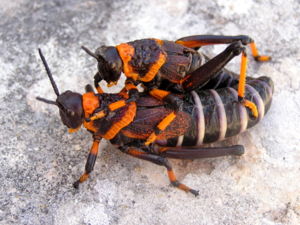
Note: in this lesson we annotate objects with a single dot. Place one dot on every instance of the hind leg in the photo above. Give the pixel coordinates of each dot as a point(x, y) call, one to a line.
point(197, 41)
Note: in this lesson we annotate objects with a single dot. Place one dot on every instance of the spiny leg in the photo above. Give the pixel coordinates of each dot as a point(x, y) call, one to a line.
point(198, 41)
point(89, 166)
point(174, 102)
point(159, 160)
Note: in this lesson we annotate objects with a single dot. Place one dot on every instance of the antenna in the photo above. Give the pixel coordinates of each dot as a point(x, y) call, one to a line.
point(49, 73)
point(89, 52)
point(46, 101)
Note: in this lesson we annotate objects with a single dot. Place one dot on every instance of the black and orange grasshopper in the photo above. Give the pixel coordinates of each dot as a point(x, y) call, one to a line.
point(205, 116)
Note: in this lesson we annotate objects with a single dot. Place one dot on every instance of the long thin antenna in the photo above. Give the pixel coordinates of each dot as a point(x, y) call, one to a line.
point(49, 73)
point(46, 101)
point(89, 52)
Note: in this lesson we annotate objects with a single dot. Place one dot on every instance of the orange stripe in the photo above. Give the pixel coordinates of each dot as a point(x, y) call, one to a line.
point(125, 121)
point(116, 105)
point(154, 68)
point(126, 52)
point(98, 115)
point(90, 102)
point(159, 94)
point(166, 121)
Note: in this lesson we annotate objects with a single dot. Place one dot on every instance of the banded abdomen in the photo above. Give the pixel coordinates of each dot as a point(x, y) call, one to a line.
point(218, 115)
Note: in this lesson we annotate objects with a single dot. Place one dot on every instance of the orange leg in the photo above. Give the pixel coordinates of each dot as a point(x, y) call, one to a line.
point(256, 55)
point(159, 160)
point(89, 166)
point(242, 85)
point(165, 96)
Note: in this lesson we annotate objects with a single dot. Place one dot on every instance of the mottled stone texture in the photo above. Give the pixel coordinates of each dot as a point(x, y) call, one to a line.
point(39, 160)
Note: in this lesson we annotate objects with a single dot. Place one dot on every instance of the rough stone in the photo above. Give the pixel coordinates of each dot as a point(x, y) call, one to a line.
point(40, 160)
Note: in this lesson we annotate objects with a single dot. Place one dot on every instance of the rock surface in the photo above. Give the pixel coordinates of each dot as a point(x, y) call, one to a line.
point(39, 160)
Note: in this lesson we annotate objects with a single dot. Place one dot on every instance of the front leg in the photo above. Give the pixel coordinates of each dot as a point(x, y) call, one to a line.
point(89, 166)
point(161, 161)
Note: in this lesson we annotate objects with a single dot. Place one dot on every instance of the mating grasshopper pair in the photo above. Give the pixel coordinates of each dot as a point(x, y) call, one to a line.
point(188, 100)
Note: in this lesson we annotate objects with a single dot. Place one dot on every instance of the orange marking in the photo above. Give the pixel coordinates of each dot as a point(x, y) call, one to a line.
point(125, 121)
point(90, 102)
point(162, 126)
point(154, 68)
point(83, 177)
point(159, 94)
point(116, 105)
point(171, 175)
point(95, 147)
point(242, 80)
point(166, 121)
point(251, 106)
point(98, 115)
point(126, 52)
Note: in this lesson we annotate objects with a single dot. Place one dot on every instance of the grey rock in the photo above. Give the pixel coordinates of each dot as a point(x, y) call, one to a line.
point(39, 160)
